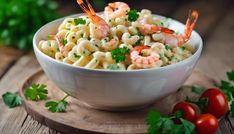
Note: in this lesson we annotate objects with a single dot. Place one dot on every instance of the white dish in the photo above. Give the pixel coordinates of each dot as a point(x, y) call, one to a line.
point(116, 90)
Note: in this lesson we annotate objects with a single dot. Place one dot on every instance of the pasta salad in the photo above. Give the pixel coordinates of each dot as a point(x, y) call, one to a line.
point(118, 39)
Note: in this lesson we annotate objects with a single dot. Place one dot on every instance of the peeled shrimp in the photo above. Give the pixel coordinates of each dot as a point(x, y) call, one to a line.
point(109, 45)
point(146, 28)
point(101, 27)
point(144, 62)
point(178, 40)
point(116, 9)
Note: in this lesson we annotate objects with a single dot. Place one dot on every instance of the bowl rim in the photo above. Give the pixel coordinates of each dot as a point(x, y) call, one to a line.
point(54, 61)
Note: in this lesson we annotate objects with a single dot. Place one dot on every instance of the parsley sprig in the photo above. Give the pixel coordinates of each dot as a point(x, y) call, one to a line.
point(228, 88)
point(132, 15)
point(158, 124)
point(36, 92)
point(57, 106)
point(11, 99)
point(80, 21)
point(119, 54)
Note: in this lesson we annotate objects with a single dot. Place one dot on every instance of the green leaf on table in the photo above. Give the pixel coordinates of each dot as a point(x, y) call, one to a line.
point(198, 89)
point(188, 126)
point(225, 85)
point(56, 106)
point(36, 92)
point(11, 99)
point(232, 109)
point(230, 75)
point(152, 120)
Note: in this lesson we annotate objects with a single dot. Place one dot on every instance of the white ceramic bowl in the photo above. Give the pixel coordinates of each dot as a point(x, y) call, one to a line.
point(116, 90)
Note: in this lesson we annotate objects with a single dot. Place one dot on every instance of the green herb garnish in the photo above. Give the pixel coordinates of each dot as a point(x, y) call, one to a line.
point(113, 67)
point(132, 15)
point(11, 99)
point(77, 56)
point(80, 21)
point(228, 88)
point(57, 106)
point(168, 47)
point(36, 92)
point(183, 48)
point(197, 89)
point(118, 54)
point(64, 41)
point(165, 125)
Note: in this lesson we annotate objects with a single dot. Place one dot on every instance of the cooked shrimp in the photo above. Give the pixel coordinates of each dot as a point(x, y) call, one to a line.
point(146, 28)
point(110, 44)
point(59, 40)
point(102, 28)
point(144, 62)
point(178, 40)
point(116, 9)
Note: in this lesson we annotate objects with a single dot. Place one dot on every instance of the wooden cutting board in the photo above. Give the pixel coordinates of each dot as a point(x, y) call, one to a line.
point(79, 118)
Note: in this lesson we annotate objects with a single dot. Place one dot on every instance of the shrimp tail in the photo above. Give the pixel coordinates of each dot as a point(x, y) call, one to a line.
point(162, 29)
point(87, 9)
point(190, 24)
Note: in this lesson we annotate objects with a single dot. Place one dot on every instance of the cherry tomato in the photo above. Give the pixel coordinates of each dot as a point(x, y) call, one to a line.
point(217, 102)
point(206, 124)
point(189, 111)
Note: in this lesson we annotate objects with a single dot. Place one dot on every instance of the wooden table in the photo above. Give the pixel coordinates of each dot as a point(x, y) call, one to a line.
point(216, 25)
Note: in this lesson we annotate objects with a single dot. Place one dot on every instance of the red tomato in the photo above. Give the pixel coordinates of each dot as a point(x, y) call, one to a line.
point(206, 124)
point(188, 110)
point(217, 102)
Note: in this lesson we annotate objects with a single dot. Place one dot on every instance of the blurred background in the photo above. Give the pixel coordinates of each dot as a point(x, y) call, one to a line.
point(19, 19)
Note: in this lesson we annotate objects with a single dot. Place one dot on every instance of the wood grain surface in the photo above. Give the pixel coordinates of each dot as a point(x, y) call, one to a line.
point(79, 118)
point(216, 24)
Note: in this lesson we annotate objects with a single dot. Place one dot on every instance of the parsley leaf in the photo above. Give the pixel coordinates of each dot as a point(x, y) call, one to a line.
point(36, 92)
point(183, 48)
point(113, 67)
point(80, 21)
point(64, 41)
point(165, 125)
point(77, 56)
point(118, 54)
point(188, 126)
point(232, 108)
point(11, 100)
point(133, 15)
point(168, 47)
point(228, 88)
point(57, 106)
point(152, 120)
point(198, 89)
point(230, 75)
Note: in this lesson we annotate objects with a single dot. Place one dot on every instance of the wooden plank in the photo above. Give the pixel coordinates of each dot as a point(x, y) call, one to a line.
point(78, 118)
point(31, 126)
point(8, 57)
point(218, 55)
point(210, 13)
point(12, 119)
point(225, 127)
